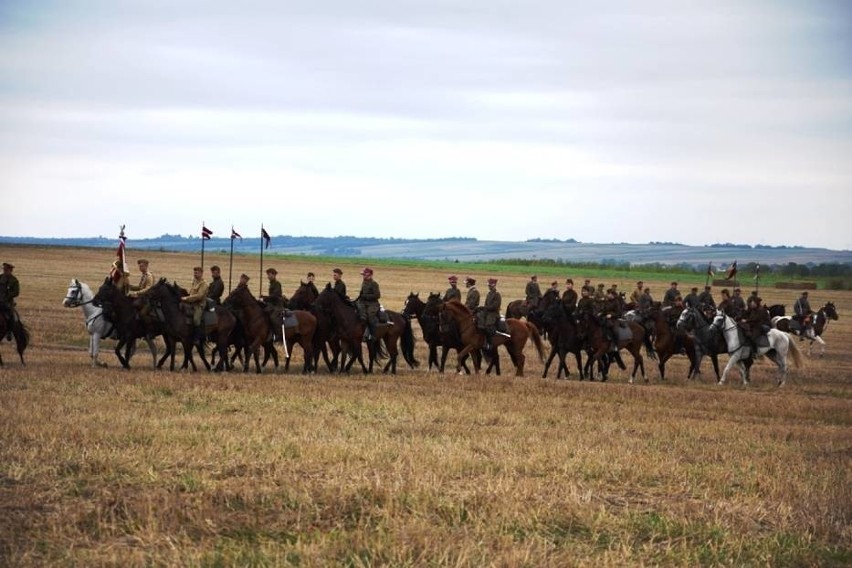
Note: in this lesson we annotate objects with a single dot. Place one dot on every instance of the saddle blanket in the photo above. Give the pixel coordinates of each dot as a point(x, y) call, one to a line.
point(623, 331)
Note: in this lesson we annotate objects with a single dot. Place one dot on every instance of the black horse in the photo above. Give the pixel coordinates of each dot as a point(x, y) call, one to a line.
point(19, 332)
point(348, 327)
point(561, 331)
point(433, 333)
point(708, 339)
point(121, 310)
point(304, 298)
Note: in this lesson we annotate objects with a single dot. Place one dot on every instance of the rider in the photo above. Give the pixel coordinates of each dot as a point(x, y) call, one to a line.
point(569, 297)
point(755, 321)
point(472, 299)
point(706, 297)
point(645, 301)
point(554, 287)
point(532, 293)
point(586, 305)
point(671, 294)
point(489, 314)
point(453, 292)
point(802, 312)
point(217, 286)
point(737, 303)
point(274, 301)
point(726, 305)
point(338, 285)
point(145, 281)
point(10, 288)
point(609, 315)
point(367, 302)
point(691, 299)
point(636, 295)
point(196, 298)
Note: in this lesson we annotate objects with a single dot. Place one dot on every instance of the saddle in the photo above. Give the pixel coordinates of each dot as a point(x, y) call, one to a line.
point(622, 331)
point(501, 325)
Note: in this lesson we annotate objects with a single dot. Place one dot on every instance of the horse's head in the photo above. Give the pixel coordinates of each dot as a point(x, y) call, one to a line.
point(74, 295)
point(686, 321)
point(719, 320)
point(106, 292)
point(830, 311)
point(413, 306)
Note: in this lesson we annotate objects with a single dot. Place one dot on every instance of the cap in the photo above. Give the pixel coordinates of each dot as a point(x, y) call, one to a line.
point(338, 271)
point(707, 287)
point(695, 288)
point(534, 277)
point(453, 278)
point(674, 283)
point(214, 268)
point(142, 261)
point(805, 293)
point(470, 280)
point(271, 271)
point(600, 285)
point(569, 281)
point(639, 283)
point(245, 277)
point(367, 271)
point(492, 281)
point(311, 275)
point(554, 283)
point(197, 268)
point(7, 265)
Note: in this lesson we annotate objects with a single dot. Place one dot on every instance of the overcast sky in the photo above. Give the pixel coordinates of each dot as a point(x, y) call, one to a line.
point(688, 121)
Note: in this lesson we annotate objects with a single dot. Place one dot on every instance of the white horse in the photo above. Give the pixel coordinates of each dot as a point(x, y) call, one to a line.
point(80, 296)
point(778, 347)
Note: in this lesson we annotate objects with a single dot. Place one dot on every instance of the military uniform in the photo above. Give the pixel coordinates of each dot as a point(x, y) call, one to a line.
point(706, 298)
point(532, 293)
point(569, 300)
point(636, 296)
point(585, 307)
point(452, 293)
point(738, 306)
point(671, 294)
point(368, 301)
point(340, 288)
point(691, 300)
point(10, 289)
point(275, 297)
point(645, 301)
point(216, 289)
point(490, 312)
point(472, 300)
point(195, 298)
point(754, 319)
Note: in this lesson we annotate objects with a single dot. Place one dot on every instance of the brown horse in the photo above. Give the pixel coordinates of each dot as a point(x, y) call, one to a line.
point(434, 334)
point(19, 332)
point(302, 334)
point(348, 327)
point(257, 326)
point(178, 324)
point(303, 299)
point(561, 330)
point(668, 341)
point(600, 346)
point(474, 339)
point(517, 309)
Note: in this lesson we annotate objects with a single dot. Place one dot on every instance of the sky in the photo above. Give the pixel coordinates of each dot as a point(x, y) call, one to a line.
point(694, 122)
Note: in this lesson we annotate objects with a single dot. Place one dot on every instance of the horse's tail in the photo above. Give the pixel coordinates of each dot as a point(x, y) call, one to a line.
point(649, 346)
point(794, 351)
point(22, 338)
point(407, 345)
point(536, 337)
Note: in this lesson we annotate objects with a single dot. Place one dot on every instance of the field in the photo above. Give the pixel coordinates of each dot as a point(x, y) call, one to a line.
point(143, 467)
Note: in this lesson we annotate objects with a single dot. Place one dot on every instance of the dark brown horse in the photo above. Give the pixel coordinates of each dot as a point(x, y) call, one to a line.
point(600, 347)
point(348, 327)
point(303, 299)
point(434, 334)
point(121, 310)
point(20, 334)
point(302, 333)
point(668, 342)
point(474, 339)
point(561, 331)
point(517, 309)
point(256, 324)
point(178, 324)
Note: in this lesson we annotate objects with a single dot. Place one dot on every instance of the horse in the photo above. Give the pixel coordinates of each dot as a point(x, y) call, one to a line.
point(303, 299)
point(349, 328)
point(79, 295)
point(474, 339)
point(665, 343)
point(561, 331)
point(706, 340)
point(777, 347)
point(517, 309)
point(177, 324)
point(433, 333)
point(20, 333)
point(257, 325)
point(776, 310)
point(121, 310)
point(821, 318)
point(599, 346)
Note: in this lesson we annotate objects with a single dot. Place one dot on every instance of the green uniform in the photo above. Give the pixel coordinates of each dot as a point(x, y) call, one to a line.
point(472, 300)
point(368, 300)
point(216, 289)
point(452, 293)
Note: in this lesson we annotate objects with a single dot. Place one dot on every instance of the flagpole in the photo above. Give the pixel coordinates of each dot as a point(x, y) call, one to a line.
point(203, 238)
point(709, 271)
point(757, 280)
point(260, 280)
point(231, 261)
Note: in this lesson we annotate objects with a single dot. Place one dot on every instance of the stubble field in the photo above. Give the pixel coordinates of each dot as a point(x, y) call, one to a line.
point(143, 467)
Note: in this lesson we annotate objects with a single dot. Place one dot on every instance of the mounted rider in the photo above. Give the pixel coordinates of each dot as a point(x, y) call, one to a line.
point(472, 299)
point(453, 292)
point(569, 297)
point(488, 316)
point(636, 295)
point(217, 286)
point(755, 321)
point(367, 303)
point(338, 285)
point(609, 315)
point(802, 313)
point(196, 299)
point(274, 302)
point(691, 300)
point(10, 289)
point(532, 293)
point(671, 294)
point(146, 280)
point(737, 303)
point(706, 297)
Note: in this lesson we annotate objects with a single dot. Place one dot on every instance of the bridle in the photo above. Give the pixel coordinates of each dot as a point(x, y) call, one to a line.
point(78, 291)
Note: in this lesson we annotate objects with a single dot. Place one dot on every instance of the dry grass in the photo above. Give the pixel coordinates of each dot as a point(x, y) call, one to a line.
point(107, 467)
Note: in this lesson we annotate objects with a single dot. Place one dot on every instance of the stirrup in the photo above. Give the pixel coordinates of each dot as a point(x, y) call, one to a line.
point(503, 333)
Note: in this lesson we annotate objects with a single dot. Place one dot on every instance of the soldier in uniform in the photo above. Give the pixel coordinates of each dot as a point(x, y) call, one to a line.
point(755, 321)
point(532, 293)
point(691, 299)
point(569, 297)
point(490, 312)
point(671, 294)
point(196, 299)
point(472, 299)
point(337, 283)
point(737, 303)
point(586, 305)
point(706, 298)
point(453, 292)
point(609, 314)
point(725, 304)
point(588, 284)
point(368, 302)
point(244, 280)
point(145, 281)
point(802, 312)
point(311, 277)
point(645, 301)
point(636, 295)
point(10, 289)
point(554, 286)
point(600, 296)
point(217, 286)
point(274, 300)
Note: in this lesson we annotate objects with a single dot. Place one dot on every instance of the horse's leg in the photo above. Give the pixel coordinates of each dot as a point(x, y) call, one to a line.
point(520, 360)
point(118, 347)
point(821, 343)
point(579, 356)
point(153, 348)
point(549, 360)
